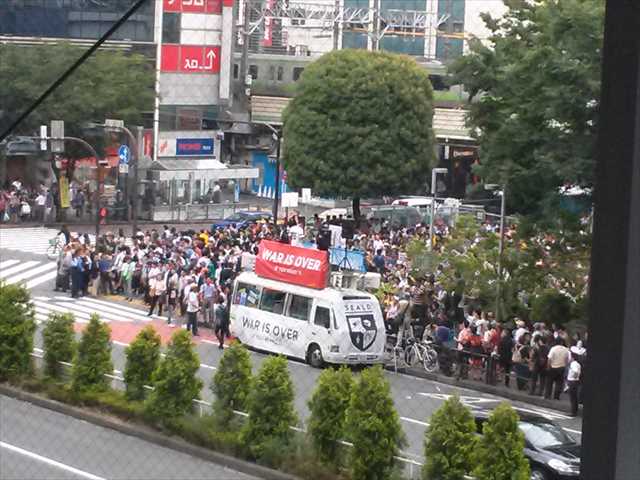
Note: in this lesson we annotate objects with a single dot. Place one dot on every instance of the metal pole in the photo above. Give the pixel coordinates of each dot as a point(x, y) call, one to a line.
point(500, 250)
point(134, 198)
point(276, 197)
point(434, 173)
point(156, 107)
point(336, 27)
point(245, 46)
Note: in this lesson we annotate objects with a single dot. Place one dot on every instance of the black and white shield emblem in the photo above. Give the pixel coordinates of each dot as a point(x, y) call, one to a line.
point(363, 331)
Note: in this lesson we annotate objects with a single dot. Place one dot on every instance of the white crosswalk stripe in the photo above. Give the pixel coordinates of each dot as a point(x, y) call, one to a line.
point(31, 239)
point(83, 308)
point(32, 273)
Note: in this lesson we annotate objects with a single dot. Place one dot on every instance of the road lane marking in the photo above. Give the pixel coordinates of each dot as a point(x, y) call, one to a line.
point(8, 263)
point(413, 420)
point(32, 272)
point(49, 461)
point(42, 279)
point(17, 268)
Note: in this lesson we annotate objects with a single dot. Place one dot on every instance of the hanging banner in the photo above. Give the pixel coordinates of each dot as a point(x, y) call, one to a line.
point(64, 192)
point(301, 266)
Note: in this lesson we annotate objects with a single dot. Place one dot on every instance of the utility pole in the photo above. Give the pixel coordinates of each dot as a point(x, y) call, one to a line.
point(244, 61)
point(336, 26)
point(503, 205)
point(276, 196)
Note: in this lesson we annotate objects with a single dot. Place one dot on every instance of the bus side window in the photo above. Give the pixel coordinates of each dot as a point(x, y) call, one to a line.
point(247, 295)
point(299, 307)
point(323, 317)
point(272, 301)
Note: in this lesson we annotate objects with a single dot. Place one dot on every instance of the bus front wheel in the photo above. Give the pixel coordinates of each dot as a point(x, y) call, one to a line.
point(314, 356)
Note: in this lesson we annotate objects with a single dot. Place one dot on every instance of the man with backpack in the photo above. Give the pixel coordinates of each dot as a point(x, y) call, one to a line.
point(221, 327)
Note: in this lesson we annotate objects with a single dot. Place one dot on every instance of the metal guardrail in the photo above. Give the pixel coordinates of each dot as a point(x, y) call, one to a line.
point(411, 466)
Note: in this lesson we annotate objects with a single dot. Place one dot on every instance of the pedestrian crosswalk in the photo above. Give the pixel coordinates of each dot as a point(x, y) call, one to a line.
point(29, 239)
point(83, 308)
point(32, 273)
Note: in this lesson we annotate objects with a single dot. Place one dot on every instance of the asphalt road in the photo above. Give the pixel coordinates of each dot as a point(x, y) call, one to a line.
point(415, 398)
point(36, 443)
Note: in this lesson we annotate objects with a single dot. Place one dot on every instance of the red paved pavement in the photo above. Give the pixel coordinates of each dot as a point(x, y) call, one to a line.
point(125, 332)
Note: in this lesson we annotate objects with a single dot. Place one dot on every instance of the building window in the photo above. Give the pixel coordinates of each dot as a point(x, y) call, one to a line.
point(236, 71)
point(253, 72)
point(189, 119)
point(171, 28)
point(458, 27)
point(298, 21)
point(280, 73)
point(297, 71)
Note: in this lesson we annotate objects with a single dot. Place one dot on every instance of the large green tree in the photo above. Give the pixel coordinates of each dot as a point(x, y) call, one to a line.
point(360, 125)
point(111, 84)
point(535, 94)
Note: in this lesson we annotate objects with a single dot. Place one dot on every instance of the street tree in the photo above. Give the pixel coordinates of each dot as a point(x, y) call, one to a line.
point(271, 410)
point(373, 427)
point(535, 96)
point(231, 384)
point(59, 342)
point(93, 358)
point(175, 382)
point(360, 125)
point(500, 451)
point(110, 84)
point(143, 356)
point(328, 405)
point(449, 442)
point(17, 326)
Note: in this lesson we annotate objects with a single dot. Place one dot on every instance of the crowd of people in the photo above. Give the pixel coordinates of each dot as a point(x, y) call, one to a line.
point(189, 274)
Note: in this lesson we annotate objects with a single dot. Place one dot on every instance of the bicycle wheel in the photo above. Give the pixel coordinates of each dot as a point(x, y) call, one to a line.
point(52, 252)
point(430, 360)
point(413, 354)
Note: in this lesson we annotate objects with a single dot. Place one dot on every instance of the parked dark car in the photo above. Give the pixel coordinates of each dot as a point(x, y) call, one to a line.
point(552, 453)
point(242, 219)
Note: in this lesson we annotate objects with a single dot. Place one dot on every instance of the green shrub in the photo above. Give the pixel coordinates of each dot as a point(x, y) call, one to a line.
point(175, 382)
point(93, 358)
point(328, 406)
point(231, 384)
point(373, 427)
point(500, 453)
point(270, 408)
point(59, 342)
point(449, 442)
point(143, 356)
point(17, 326)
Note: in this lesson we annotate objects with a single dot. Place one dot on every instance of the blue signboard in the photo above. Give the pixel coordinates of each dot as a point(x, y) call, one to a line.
point(124, 154)
point(347, 259)
point(194, 147)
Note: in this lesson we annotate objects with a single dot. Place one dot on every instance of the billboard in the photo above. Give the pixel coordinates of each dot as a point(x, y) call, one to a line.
point(306, 267)
point(190, 59)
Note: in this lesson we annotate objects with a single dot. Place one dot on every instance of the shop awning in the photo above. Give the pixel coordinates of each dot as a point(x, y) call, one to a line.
point(202, 168)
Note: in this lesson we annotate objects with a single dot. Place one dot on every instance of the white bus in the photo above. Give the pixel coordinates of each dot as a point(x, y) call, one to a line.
point(330, 325)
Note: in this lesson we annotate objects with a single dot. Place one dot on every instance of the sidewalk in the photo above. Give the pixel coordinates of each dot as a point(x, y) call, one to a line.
point(561, 405)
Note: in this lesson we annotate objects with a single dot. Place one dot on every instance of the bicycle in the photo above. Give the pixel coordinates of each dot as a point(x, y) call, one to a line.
point(423, 352)
point(53, 251)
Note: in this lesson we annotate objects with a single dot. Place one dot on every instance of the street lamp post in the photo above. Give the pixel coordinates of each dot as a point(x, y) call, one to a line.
point(434, 175)
point(502, 191)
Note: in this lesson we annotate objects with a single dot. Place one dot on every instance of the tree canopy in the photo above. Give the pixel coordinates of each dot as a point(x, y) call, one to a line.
point(111, 84)
point(360, 125)
point(535, 95)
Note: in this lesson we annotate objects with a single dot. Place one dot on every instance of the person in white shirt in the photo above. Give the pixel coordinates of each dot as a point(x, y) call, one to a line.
point(574, 374)
point(193, 305)
point(558, 360)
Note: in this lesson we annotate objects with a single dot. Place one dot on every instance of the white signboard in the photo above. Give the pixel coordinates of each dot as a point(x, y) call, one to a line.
point(290, 199)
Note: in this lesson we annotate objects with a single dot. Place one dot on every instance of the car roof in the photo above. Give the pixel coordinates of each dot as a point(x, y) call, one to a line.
point(483, 414)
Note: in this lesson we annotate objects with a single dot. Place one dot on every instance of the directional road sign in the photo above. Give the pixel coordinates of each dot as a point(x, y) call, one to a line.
point(124, 154)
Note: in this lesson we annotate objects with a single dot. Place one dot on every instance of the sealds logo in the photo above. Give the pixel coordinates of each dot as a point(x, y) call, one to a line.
point(362, 325)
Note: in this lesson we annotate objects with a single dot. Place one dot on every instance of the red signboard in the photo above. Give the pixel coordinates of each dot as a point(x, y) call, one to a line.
point(190, 59)
point(194, 6)
point(301, 266)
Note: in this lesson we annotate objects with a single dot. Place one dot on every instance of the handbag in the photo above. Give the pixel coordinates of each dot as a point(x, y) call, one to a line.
point(517, 356)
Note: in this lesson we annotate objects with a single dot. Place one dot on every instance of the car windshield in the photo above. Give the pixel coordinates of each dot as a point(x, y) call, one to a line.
point(545, 435)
